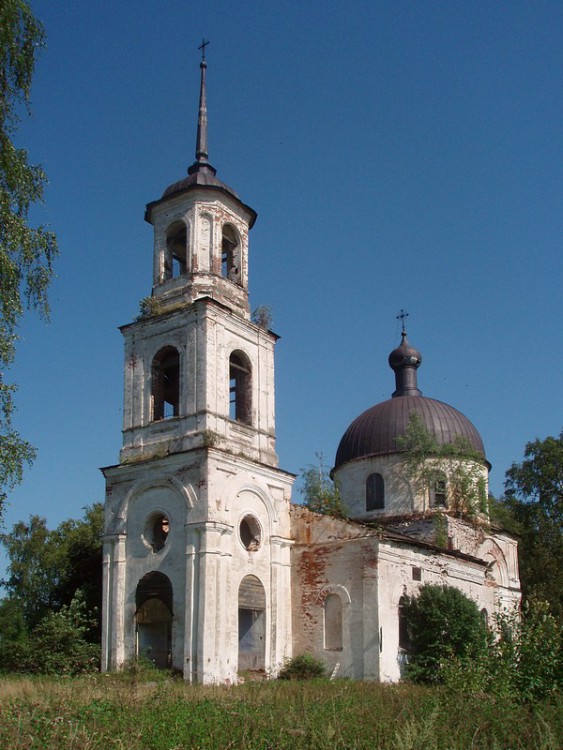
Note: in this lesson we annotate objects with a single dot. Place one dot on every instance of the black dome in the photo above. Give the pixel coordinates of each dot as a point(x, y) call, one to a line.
point(201, 178)
point(375, 432)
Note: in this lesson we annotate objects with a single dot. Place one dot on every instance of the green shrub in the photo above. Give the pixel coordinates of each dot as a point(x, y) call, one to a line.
point(303, 667)
point(522, 662)
point(57, 645)
point(441, 624)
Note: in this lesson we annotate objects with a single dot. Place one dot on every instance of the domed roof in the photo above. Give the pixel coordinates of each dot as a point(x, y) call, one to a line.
point(375, 432)
point(204, 176)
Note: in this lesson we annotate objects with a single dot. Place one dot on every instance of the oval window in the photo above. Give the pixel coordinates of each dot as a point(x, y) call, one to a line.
point(156, 531)
point(250, 533)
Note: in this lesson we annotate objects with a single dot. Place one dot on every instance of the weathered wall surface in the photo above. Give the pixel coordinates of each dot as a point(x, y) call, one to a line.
point(370, 571)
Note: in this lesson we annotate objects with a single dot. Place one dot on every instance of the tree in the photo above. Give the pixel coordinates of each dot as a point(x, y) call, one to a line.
point(534, 498)
point(57, 645)
point(321, 494)
point(47, 568)
point(26, 253)
point(440, 624)
point(426, 460)
point(522, 661)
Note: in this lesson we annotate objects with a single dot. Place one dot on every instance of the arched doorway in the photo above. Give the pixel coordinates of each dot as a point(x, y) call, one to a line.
point(251, 624)
point(153, 619)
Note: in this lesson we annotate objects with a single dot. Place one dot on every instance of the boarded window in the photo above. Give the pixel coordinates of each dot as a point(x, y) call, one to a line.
point(333, 622)
point(438, 493)
point(375, 492)
point(166, 384)
point(240, 388)
point(251, 624)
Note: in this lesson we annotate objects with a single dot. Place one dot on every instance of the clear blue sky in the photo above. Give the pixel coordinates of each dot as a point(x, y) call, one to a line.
point(400, 154)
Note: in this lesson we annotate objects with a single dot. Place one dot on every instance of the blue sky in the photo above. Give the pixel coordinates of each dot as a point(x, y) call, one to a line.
point(399, 154)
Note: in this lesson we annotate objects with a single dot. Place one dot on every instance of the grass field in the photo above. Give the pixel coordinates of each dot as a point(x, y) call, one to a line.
point(135, 712)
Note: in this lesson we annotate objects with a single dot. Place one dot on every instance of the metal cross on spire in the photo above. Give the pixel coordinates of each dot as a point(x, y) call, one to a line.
point(402, 316)
point(202, 46)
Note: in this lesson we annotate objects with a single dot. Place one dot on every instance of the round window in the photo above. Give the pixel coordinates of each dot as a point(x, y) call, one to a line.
point(250, 533)
point(156, 531)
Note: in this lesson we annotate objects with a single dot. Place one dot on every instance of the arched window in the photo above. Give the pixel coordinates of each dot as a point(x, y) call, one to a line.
point(166, 384)
point(375, 492)
point(230, 254)
point(176, 245)
point(333, 623)
point(439, 491)
point(240, 388)
point(153, 619)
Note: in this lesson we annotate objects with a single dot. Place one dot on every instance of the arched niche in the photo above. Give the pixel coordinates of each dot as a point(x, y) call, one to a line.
point(251, 624)
point(153, 619)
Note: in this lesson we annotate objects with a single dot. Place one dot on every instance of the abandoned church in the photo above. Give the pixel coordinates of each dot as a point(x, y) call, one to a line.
point(209, 568)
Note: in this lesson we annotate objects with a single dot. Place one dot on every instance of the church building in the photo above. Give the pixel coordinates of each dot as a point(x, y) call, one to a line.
point(209, 569)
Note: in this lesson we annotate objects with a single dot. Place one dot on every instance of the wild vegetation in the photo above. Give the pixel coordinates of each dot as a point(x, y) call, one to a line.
point(519, 656)
point(320, 493)
point(426, 461)
point(153, 712)
point(50, 616)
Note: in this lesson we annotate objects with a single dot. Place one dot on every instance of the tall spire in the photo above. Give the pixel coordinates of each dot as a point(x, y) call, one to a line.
point(201, 153)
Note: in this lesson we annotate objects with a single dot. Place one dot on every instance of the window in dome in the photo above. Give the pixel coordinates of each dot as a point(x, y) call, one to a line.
point(438, 493)
point(375, 492)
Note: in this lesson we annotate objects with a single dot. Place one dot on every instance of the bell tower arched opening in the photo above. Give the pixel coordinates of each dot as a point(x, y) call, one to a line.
point(230, 254)
point(240, 388)
point(166, 384)
point(176, 250)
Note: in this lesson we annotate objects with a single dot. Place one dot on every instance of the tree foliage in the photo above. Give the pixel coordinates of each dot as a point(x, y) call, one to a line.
point(56, 645)
point(440, 624)
point(26, 253)
point(534, 502)
point(46, 567)
point(426, 460)
point(320, 493)
point(522, 661)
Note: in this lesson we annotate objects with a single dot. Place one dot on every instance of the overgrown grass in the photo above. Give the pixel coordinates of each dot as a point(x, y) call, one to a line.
point(132, 712)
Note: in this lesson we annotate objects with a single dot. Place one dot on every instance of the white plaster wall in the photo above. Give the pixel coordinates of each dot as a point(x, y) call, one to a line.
point(205, 213)
point(402, 496)
point(205, 336)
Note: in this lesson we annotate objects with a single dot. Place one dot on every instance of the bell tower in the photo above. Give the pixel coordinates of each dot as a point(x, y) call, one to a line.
point(196, 546)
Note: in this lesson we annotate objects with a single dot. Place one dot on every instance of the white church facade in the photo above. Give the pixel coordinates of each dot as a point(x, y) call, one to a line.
point(209, 569)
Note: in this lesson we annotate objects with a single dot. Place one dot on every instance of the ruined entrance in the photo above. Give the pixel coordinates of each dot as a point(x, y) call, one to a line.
point(153, 619)
point(251, 624)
